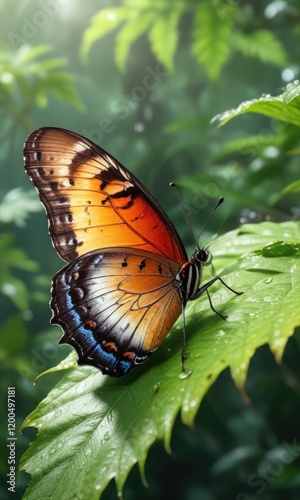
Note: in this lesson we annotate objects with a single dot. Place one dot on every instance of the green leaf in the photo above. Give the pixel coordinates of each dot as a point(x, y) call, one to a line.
point(261, 44)
point(252, 144)
point(61, 85)
point(212, 33)
point(129, 32)
point(294, 187)
point(16, 291)
point(26, 54)
point(92, 428)
point(16, 205)
point(30, 81)
point(164, 37)
point(102, 23)
point(13, 257)
point(292, 92)
point(284, 107)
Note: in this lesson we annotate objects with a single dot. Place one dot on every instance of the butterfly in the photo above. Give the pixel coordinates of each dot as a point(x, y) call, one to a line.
point(128, 276)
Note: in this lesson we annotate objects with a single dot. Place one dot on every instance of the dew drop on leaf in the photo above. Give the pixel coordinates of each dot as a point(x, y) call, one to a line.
point(156, 387)
point(106, 437)
point(186, 373)
point(268, 280)
point(267, 299)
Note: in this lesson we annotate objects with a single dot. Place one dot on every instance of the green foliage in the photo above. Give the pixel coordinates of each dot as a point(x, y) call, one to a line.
point(212, 33)
point(261, 44)
point(214, 38)
point(284, 107)
point(105, 21)
point(98, 414)
point(132, 29)
point(26, 80)
point(12, 258)
point(294, 187)
point(17, 205)
point(15, 208)
point(163, 37)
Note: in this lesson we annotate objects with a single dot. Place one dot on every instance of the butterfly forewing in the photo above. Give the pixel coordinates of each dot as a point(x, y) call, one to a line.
point(92, 201)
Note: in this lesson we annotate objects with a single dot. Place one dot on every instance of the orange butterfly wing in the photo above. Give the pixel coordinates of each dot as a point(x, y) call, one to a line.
point(116, 306)
point(92, 201)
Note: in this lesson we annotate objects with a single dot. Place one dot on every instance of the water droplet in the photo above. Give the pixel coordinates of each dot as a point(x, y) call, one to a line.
point(98, 487)
point(185, 408)
point(186, 373)
point(267, 299)
point(277, 343)
point(156, 387)
point(105, 438)
point(38, 472)
point(268, 280)
point(110, 417)
point(139, 127)
point(252, 299)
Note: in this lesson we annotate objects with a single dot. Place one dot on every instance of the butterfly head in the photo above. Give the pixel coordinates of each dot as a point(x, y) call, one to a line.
point(201, 256)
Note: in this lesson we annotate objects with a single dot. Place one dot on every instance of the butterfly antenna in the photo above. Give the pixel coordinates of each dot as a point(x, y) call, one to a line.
point(219, 202)
point(183, 209)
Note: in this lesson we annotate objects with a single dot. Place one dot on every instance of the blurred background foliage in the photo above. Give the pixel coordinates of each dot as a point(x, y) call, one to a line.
point(144, 79)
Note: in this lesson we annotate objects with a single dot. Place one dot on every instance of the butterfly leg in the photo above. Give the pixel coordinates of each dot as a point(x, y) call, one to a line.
point(205, 287)
point(183, 351)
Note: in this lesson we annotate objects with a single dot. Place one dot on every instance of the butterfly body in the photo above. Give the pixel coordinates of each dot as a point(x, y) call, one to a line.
point(128, 277)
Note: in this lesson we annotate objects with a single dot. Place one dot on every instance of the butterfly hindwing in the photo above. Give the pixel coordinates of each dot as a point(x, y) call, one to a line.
point(92, 201)
point(112, 306)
